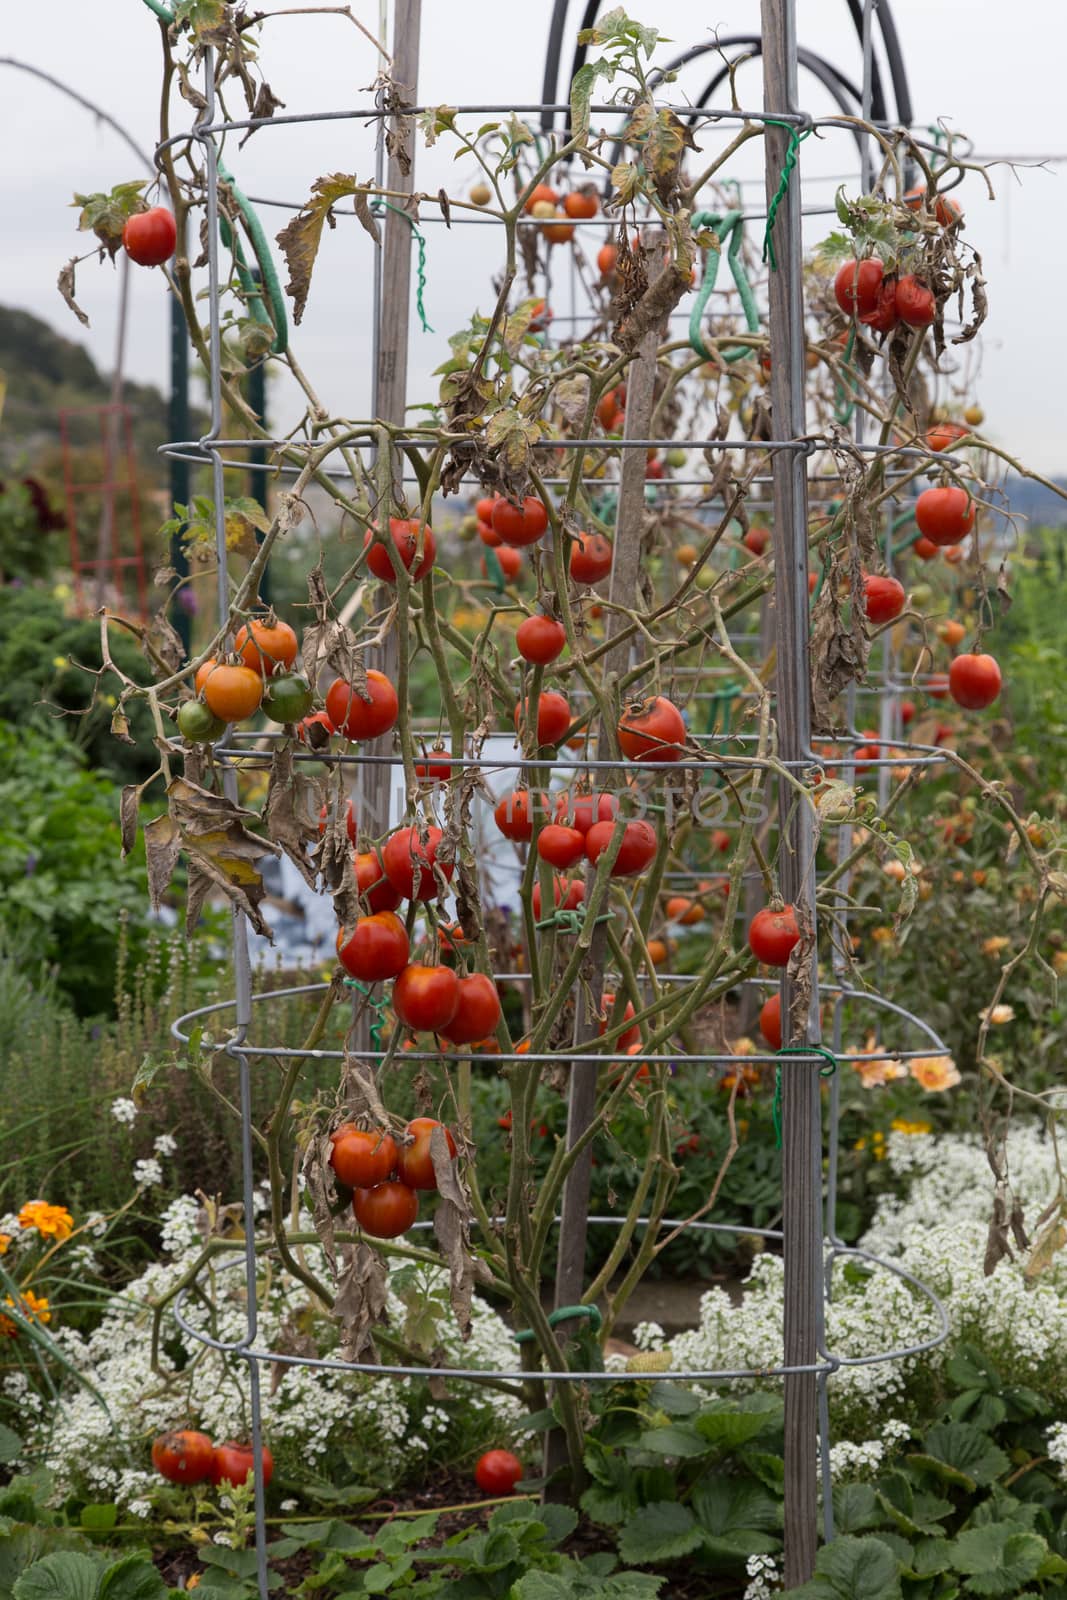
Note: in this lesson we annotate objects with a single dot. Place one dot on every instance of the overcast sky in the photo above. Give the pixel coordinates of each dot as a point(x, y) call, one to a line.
point(996, 74)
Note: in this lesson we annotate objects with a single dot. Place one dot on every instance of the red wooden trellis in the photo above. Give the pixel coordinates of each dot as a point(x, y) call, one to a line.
point(119, 492)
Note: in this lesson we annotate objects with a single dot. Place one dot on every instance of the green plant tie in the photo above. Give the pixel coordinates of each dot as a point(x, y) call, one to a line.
point(570, 921)
point(495, 570)
point(420, 269)
point(793, 150)
point(564, 1314)
point(843, 405)
point(722, 700)
point(268, 272)
point(824, 1072)
point(379, 1007)
point(729, 226)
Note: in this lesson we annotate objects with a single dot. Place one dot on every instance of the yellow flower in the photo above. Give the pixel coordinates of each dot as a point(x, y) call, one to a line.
point(877, 1144)
point(934, 1073)
point(54, 1222)
point(30, 1305)
point(62, 591)
point(996, 1015)
point(5, 1240)
point(902, 1125)
point(59, 662)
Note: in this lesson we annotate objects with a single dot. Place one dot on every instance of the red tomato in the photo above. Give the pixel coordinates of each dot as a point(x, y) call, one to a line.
point(510, 563)
point(756, 540)
point(497, 1472)
point(315, 731)
point(937, 686)
point(377, 947)
point(925, 549)
point(581, 203)
point(357, 718)
point(582, 810)
point(425, 999)
point(606, 407)
point(404, 537)
point(484, 509)
point(883, 316)
point(540, 639)
point(553, 717)
point(915, 303)
point(515, 813)
point(387, 1210)
point(541, 194)
point(149, 237)
point(629, 1036)
point(434, 769)
point(567, 893)
point(183, 1456)
point(416, 1162)
point(488, 535)
point(770, 1021)
point(857, 284)
point(720, 840)
point(944, 434)
point(520, 525)
point(362, 1157)
point(405, 853)
point(654, 731)
point(477, 1013)
point(637, 851)
point(907, 712)
point(560, 847)
point(374, 886)
point(606, 258)
point(883, 598)
point(772, 935)
point(350, 821)
point(591, 558)
point(944, 514)
point(235, 1463)
point(655, 470)
point(974, 681)
point(946, 211)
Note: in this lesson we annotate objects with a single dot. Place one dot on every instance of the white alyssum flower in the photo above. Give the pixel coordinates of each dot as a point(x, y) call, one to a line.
point(1056, 1445)
point(180, 1224)
point(165, 1144)
point(124, 1110)
point(850, 1461)
point(762, 1572)
point(147, 1173)
point(96, 1224)
point(649, 1336)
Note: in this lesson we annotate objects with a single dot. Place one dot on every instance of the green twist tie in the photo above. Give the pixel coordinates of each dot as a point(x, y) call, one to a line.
point(379, 1007)
point(722, 700)
point(495, 570)
point(570, 921)
point(843, 406)
point(824, 1072)
point(420, 269)
point(793, 150)
point(731, 225)
point(564, 1314)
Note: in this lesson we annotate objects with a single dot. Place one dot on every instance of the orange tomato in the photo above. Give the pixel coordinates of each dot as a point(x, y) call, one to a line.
point(232, 693)
point(265, 647)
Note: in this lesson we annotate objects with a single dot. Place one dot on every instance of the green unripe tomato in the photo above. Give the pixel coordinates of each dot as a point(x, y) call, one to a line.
point(922, 594)
point(704, 579)
point(287, 698)
point(197, 724)
point(468, 529)
point(676, 458)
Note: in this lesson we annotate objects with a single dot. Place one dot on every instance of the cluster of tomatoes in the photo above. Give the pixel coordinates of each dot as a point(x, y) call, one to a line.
point(386, 1177)
point(185, 1456)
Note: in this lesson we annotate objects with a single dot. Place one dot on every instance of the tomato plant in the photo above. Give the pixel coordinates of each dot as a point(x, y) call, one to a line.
point(387, 1210)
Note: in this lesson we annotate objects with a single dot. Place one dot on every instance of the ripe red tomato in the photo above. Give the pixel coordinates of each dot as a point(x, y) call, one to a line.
point(515, 813)
point(567, 893)
point(376, 949)
point(606, 258)
point(974, 681)
point(915, 303)
point(425, 999)
point(540, 639)
point(907, 712)
point(497, 1472)
point(582, 810)
point(510, 563)
point(387, 1210)
point(435, 769)
point(770, 1021)
point(349, 828)
point(944, 514)
point(416, 1162)
point(925, 549)
point(654, 731)
point(883, 598)
point(553, 717)
point(629, 1036)
point(946, 211)
point(405, 852)
point(357, 718)
point(559, 846)
point(183, 1455)
point(655, 470)
point(362, 1157)
point(637, 851)
point(149, 237)
point(883, 315)
point(541, 194)
point(374, 886)
point(404, 537)
point(756, 540)
point(857, 284)
point(581, 203)
point(591, 558)
point(235, 1463)
point(520, 525)
point(477, 1013)
point(944, 434)
point(484, 509)
point(772, 935)
point(488, 535)
point(936, 686)
point(266, 649)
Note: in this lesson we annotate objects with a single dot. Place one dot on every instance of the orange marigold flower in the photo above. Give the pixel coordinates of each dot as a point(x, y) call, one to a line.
point(54, 1222)
point(902, 1125)
point(5, 1240)
point(30, 1305)
point(934, 1073)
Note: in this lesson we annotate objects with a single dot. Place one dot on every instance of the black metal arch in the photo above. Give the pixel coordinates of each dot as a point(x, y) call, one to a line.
point(879, 110)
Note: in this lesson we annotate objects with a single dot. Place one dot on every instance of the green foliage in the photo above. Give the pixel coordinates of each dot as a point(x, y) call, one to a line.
point(39, 646)
point(27, 550)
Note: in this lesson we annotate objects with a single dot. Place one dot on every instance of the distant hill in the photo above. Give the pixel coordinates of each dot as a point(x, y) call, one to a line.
point(1033, 501)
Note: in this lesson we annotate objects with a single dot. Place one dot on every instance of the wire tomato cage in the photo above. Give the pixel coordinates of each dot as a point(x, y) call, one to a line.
point(809, 1237)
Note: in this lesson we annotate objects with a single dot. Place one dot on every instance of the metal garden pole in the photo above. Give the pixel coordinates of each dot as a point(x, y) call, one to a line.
point(180, 476)
point(801, 1174)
